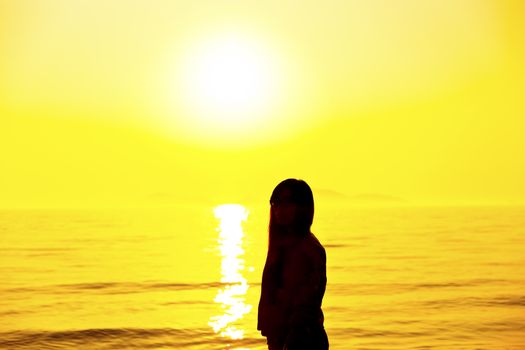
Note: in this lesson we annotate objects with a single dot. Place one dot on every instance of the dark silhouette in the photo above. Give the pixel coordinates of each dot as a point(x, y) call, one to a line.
point(294, 276)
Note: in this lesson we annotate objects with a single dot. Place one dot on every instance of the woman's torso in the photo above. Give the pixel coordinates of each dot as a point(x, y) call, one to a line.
point(297, 292)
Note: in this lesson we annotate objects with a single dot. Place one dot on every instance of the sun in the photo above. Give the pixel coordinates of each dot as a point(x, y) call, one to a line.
point(229, 77)
point(232, 88)
point(228, 83)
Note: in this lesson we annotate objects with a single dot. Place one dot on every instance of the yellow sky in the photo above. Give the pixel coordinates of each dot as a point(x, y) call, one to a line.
point(421, 100)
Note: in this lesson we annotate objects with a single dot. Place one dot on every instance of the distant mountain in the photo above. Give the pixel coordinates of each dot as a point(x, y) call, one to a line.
point(171, 198)
point(375, 198)
point(322, 192)
point(360, 198)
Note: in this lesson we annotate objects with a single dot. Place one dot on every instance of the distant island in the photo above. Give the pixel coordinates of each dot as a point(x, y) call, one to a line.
point(360, 198)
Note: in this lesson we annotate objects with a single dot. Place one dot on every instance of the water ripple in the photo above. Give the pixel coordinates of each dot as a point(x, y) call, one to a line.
point(117, 338)
point(115, 287)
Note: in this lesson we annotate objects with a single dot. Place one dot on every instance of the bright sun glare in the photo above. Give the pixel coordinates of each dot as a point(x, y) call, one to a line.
point(228, 82)
point(235, 88)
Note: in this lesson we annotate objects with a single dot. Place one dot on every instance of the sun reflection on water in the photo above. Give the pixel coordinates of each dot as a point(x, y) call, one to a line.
point(232, 296)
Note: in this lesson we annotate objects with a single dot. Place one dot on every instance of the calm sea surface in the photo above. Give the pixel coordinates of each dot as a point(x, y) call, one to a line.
point(189, 278)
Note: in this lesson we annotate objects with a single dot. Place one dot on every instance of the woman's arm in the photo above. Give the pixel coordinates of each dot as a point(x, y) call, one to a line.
point(309, 283)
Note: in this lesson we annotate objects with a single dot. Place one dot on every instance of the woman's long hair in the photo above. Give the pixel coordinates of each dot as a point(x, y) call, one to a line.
point(302, 196)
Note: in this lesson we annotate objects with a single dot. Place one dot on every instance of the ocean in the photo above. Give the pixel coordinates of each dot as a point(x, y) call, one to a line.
point(188, 277)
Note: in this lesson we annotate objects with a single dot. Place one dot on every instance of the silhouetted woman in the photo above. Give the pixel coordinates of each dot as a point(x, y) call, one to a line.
point(294, 276)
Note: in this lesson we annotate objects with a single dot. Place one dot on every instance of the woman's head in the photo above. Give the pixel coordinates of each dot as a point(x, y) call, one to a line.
point(292, 208)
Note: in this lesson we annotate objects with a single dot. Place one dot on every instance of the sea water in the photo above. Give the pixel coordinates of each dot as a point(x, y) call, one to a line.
point(189, 278)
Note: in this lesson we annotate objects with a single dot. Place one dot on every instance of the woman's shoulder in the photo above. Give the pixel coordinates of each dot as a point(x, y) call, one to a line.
point(313, 247)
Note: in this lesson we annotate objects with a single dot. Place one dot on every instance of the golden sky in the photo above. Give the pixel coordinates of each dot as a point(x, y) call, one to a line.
point(110, 103)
